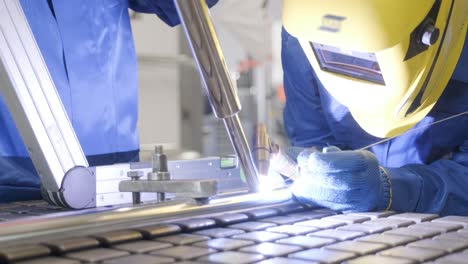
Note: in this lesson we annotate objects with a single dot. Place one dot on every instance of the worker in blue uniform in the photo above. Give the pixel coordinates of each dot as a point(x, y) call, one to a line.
point(88, 48)
point(341, 74)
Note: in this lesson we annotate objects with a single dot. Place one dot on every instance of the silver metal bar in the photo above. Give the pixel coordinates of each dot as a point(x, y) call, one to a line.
point(90, 221)
point(223, 98)
point(202, 188)
point(33, 101)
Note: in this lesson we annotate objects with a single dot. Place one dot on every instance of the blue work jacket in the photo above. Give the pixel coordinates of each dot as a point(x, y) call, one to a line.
point(436, 156)
point(88, 48)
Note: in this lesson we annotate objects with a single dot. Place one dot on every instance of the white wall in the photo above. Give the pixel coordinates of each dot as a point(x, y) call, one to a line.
point(159, 100)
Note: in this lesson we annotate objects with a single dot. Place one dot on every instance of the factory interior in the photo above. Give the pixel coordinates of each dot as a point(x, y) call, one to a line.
point(221, 172)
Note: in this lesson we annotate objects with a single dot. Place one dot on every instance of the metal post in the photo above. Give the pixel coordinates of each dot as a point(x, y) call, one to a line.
point(215, 75)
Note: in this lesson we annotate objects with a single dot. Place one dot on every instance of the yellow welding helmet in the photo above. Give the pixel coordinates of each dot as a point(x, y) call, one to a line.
point(388, 61)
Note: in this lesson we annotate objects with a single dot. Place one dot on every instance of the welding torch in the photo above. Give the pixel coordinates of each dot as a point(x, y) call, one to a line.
point(268, 154)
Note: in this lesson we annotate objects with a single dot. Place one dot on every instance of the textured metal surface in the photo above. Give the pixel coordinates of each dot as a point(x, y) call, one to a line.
point(204, 239)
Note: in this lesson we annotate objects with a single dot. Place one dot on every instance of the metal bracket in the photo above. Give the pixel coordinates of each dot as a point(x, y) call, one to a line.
point(203, 188)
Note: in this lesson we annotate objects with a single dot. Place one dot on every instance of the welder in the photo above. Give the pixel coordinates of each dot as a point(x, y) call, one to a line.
point(381, 88)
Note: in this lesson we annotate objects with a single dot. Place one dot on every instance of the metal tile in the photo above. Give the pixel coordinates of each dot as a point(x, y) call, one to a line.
point(72, 244)
point(393, 223)
point(142, 246)
point(183, 252)
point(232, 257)
point(415, 217)
point(23, 252)
point(286, 261)
point(442, 227)
point(224, 243)
point(182, 239)
point(374, 215)
point(373, 259)
point(360, 248)
point(321, 224)
point(49, 260)
point(159, 230)
point(457, 258)
point(252, 226)
point(368, 229)
point(196, 224)
point(262, 213)
point(119, 236)
point(220, 232)
point(292, 230)
point(418, 254)
point(290, 208)
point(439, 244)
point(272, 249)
point(462, 220)
point(390, 240)
point(260, 236)
point(323, 255)
point(347, 219)
point(229, 219)
point(140, 259)
point(306, 241)
point(337, 234)
point(309, 215)
point(453, 236)
point(95, 255)
point(413, 232)
point(283, 220)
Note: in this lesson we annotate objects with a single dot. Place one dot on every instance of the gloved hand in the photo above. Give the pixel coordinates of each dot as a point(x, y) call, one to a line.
point(348, 181)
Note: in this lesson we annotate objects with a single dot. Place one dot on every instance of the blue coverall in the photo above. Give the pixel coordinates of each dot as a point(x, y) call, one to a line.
point(88, 48)
point(436, 155)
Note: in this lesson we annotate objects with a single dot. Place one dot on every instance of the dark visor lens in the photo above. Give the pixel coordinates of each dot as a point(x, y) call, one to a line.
point(355, 64)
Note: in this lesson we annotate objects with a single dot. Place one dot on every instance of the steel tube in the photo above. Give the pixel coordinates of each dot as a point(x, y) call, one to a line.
point(216, 78)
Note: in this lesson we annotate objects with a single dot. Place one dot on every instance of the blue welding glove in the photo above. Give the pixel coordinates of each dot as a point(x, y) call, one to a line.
point(347, 181)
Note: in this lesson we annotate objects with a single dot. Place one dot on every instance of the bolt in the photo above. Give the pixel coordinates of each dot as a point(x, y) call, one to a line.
point(160, 169)
point(135, 176)
point(430, 35)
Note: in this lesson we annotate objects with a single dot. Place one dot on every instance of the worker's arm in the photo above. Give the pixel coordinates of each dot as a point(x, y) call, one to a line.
point(304, 120)
point(440, 187)
point(164, 9)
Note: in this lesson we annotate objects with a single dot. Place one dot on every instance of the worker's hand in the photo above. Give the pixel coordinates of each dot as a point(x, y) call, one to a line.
point(347, 181)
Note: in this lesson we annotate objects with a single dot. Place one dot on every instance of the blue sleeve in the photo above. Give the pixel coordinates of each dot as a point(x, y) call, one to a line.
point(304, 120)
point(164, 9)
point(440, 187)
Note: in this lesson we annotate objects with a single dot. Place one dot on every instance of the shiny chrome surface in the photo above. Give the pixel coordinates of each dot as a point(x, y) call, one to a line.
point(90, 221)
point(215, 75)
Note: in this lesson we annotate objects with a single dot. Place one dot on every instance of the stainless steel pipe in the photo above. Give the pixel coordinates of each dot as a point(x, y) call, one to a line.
point(221, 93)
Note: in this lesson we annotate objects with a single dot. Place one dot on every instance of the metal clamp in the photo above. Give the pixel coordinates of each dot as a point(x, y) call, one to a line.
point(159, 182)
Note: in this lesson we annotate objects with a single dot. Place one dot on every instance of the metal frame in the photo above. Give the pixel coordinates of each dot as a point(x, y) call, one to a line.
point(35, 105)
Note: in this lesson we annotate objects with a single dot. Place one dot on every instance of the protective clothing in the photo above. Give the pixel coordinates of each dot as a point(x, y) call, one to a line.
point(340, 179)
point(387, 61)
point(88, 48)
point(429, 165)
